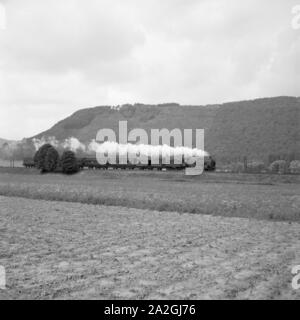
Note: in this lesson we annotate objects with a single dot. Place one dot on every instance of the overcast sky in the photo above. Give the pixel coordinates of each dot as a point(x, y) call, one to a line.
point(58, 56)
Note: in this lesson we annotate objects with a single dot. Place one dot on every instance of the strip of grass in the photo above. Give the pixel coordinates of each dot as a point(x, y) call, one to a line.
point(215, 199)
point(218, 177)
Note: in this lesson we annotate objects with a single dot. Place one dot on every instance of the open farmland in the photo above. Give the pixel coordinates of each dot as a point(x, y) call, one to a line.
point(57, 250)
point(131, 235)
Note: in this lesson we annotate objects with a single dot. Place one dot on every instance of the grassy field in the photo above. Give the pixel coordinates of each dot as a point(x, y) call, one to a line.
point(271, 197)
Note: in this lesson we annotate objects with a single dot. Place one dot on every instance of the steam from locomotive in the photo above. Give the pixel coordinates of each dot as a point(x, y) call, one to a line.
point(134, 155)
point(129, 149)
point(140, 152)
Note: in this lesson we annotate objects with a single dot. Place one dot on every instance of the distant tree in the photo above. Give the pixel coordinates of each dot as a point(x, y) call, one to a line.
point(279, 166)
point(6, 151)
point(51, 160)
point(69, 162)
point(19, 151)
point(295, 166)
point(28, 148)
point(41, 155)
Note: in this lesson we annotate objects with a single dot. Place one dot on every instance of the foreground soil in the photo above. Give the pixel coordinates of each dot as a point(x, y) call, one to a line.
point(58, 250)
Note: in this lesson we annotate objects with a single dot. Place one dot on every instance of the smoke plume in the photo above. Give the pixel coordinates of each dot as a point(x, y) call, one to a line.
point(154, 151)
point(124, 150)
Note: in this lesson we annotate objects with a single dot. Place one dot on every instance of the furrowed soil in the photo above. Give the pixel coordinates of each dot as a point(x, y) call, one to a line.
point(65, 250)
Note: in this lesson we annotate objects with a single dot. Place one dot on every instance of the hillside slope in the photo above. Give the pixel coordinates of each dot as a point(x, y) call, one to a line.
point(257, 128)
point(254, 128)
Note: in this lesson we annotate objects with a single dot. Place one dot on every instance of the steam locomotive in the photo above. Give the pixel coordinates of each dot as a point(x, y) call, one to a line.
point(92, 163)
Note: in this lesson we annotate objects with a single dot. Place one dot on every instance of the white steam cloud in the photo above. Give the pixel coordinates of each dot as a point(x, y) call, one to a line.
point(71, 143)
point(130, 150)
point(155, 151)
point(40, 142)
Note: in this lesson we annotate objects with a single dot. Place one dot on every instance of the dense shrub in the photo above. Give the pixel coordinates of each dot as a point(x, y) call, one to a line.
point(279, 166)
point(40, 157)
point(51, 160)
point(69, 162)
point(295, 166)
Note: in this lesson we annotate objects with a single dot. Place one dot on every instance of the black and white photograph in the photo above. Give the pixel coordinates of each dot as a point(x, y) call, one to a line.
point(150, 152)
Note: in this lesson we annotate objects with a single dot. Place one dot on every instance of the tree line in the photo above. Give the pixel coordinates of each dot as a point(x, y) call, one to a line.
point(47, 159)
